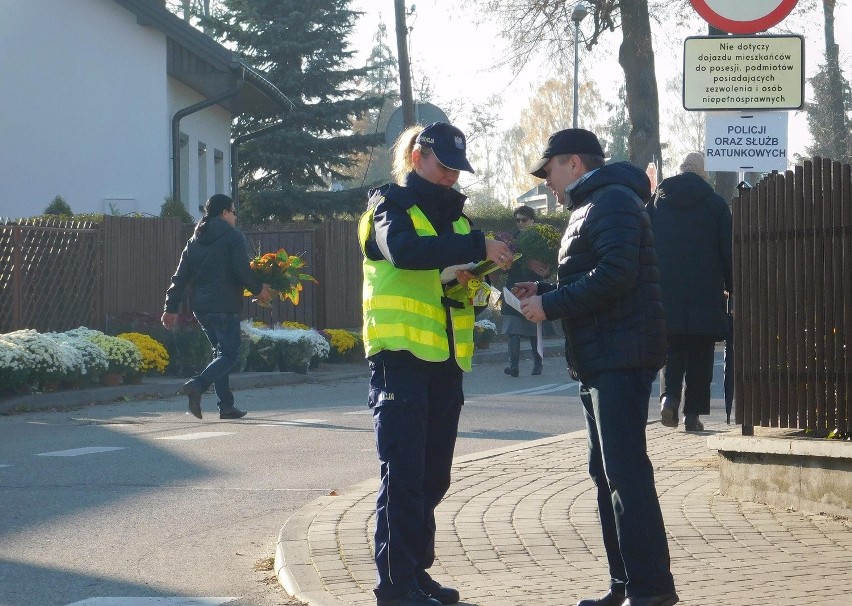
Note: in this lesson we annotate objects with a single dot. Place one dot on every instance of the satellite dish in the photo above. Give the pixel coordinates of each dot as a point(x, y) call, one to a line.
point(424, 113)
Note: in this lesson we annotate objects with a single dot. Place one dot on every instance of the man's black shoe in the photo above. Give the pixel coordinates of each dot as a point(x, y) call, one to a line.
point(668, 412)
point(231, 413)
point(415, 597)
point(692, 423)
point(194, 398)
point(612, 598)
point(536, 370)
point(445, 595)
point(512, 371)
point(667, 599)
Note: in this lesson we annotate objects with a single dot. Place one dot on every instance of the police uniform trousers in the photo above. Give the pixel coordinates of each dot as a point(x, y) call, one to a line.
point(416, 408)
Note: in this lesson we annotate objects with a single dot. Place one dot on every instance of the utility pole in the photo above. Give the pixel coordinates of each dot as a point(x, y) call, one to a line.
point(404, 65)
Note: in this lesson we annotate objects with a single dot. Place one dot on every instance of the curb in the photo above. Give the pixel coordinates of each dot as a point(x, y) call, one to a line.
point(159, 388)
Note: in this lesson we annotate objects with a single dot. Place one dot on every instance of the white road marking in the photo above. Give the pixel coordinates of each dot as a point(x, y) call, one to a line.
point(201, 435)
point(541, 389)
point(153, 602)
point(76, 452)
point(366, 411)
point(1, 465)
point(296, 422)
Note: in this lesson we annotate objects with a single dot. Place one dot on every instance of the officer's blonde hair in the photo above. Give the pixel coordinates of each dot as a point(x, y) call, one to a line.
point(402, 149)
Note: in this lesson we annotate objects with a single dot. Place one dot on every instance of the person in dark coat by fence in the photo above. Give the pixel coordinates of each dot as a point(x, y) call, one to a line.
point(692, 235)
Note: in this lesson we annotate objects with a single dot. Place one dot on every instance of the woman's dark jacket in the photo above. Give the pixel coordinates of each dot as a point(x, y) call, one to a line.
point(216, 263)
point(395, 239)
point(519, 272)
point(692, 234)
point(608, 293)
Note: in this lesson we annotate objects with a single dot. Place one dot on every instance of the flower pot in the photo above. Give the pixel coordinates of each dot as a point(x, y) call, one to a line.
point(111, 379)
point(134, 379)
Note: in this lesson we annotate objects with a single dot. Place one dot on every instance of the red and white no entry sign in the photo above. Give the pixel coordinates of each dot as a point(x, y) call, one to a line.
point(743, 17)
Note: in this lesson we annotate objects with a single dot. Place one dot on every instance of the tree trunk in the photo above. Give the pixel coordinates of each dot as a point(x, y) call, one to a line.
point(636, 57)
point(834, 81)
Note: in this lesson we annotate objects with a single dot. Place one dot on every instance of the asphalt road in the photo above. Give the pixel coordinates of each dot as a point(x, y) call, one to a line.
point(137, 499)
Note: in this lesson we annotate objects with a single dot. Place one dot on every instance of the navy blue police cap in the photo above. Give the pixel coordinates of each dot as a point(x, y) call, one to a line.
point(448, 143)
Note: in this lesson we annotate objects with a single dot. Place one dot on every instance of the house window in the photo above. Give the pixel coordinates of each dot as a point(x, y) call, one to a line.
point(202, 175)
point(184, 170)
point(219, 171)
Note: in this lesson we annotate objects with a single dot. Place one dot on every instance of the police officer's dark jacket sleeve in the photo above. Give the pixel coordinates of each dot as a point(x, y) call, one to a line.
point(395, 239)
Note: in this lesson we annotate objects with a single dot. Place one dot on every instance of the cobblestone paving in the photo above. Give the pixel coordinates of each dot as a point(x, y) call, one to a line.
point(519, 526)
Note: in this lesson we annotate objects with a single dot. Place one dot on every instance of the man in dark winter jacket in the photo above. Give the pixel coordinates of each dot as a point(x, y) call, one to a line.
point(692, 234)
point(216, 262)
point(608, 299)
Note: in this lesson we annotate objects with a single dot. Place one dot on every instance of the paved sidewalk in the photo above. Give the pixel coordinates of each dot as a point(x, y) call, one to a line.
point(519, 526)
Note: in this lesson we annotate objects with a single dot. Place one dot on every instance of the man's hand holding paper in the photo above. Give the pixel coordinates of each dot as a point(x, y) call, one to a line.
point(530, 302)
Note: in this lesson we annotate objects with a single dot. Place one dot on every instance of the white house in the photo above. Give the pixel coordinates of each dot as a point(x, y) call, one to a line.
point(96, 95)
point(541, 199)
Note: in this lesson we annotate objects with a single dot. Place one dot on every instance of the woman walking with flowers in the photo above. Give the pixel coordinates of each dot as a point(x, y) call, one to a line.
point(216, 262)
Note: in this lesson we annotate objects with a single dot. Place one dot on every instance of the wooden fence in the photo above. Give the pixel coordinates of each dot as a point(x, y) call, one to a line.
point(57, 275)
point(793, 290)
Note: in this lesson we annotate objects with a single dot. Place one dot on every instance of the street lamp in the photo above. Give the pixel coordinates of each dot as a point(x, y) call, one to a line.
point(578, 14)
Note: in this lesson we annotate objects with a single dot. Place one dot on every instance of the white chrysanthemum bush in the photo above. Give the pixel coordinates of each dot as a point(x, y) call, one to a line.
point(284, 348)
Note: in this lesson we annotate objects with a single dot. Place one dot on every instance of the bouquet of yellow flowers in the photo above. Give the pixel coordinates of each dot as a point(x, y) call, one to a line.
point(282, 272)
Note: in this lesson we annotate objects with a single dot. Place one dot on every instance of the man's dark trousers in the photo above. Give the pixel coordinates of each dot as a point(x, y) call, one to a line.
point(415, 438)
point(616, 407)
point(689, 358)
point(223, 332)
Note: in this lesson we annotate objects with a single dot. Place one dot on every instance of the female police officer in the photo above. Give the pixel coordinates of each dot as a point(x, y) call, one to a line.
point(418, 341)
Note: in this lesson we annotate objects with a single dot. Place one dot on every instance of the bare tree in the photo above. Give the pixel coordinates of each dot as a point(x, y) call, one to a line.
point(534, 26)
point(550, 109)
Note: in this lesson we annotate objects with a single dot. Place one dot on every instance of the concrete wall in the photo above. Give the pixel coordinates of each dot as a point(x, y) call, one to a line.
point(784, 471)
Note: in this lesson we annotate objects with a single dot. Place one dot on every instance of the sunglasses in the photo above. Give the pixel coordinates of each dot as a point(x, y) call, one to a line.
point(521, 220)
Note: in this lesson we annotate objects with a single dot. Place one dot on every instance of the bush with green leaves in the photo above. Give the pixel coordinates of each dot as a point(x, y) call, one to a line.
point(175, 208)
point(187, 345)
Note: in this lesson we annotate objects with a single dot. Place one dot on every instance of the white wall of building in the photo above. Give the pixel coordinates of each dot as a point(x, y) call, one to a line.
point(210, 128)
point(85, 112)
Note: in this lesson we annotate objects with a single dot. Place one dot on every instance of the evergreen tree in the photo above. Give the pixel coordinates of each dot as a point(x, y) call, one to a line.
point(829, 141)
point(373, 167)
point(828, 114)
point(301, 46)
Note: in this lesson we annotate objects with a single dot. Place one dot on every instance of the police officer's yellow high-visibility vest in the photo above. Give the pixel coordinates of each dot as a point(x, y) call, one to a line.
point(403, 308)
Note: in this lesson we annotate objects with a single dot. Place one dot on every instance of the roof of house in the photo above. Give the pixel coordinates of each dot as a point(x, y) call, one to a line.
point(201, 63)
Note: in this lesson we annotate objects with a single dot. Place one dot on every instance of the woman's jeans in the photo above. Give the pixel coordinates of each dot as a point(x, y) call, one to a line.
point(223, 332)
point(616, 407)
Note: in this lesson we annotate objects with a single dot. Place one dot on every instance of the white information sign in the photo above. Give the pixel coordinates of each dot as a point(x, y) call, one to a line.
point(746, 141)
point(743, 72)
